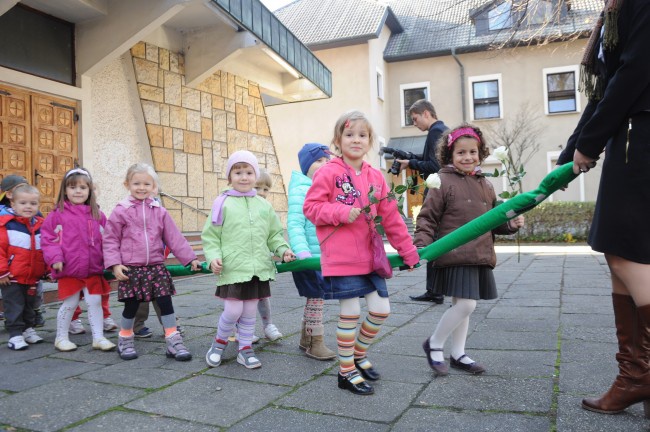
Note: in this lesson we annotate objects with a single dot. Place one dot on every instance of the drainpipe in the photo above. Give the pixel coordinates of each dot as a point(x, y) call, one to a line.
point(462, 84)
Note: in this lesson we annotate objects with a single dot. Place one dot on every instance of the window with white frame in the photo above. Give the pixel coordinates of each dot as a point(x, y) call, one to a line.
point(380, 85)
point(409, 93)
point(485, 97)
point(561, 90)
point(500, 16)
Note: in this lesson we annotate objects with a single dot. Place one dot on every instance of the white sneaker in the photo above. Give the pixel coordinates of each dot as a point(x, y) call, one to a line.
point(17, 343)
point(109, 324)
point(103, 344)
point(76, 327)
point(31, 336)
point(64, 345)
point(272, 333)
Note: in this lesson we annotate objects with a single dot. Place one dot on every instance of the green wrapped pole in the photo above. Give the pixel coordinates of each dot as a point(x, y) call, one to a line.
point(499, 215)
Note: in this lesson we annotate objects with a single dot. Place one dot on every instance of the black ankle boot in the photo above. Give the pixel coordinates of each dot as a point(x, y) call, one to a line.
point(369, 373)
point(362, 388)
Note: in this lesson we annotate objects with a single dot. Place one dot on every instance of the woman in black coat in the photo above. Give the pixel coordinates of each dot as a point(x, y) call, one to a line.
point(616, 78)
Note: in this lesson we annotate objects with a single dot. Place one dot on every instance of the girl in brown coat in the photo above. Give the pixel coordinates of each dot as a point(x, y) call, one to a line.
point(465, 273)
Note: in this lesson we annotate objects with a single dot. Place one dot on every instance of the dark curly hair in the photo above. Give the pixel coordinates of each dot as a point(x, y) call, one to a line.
point(445, 153)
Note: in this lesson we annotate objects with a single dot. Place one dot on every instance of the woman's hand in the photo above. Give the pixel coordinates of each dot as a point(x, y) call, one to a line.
point(216, 266)
point(354, 214)
point(120, 271)
point(582, 163)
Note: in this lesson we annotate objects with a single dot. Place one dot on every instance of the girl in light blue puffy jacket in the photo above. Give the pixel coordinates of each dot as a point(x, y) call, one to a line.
point(304, 243)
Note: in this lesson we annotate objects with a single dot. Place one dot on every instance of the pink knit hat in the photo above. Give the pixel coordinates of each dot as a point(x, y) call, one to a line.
point(242, 156)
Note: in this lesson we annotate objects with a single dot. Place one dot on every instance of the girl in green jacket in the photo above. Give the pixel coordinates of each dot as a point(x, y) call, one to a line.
point(238, 236)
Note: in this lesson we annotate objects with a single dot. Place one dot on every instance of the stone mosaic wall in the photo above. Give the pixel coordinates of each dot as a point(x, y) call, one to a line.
point(192, 131)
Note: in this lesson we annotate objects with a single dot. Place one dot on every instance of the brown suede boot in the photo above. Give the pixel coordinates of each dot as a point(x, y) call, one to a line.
point(305, 339)
point(317, 350)
point(632, 384)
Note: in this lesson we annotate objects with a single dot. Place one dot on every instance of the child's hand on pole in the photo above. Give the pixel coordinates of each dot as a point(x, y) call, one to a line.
point(196, 265)
point(120, 271)
point(288, 256)
point(216, 266)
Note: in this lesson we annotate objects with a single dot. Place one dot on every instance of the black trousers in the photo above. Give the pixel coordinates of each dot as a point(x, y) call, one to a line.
point(19, 307)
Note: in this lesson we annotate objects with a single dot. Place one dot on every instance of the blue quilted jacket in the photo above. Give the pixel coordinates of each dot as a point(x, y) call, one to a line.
point(302, 233)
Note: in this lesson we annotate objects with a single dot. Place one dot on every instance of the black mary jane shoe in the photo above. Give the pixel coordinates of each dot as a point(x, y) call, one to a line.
point(473, 368)
point(439, 368)
point(362, 388)
point(369, 373)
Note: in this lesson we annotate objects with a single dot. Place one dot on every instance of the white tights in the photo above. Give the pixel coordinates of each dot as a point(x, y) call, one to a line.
point(351, 306)
point(95, 315)
point(454, 322)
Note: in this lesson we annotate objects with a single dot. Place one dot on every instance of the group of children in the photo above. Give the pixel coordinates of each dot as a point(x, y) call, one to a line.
point(333, 203)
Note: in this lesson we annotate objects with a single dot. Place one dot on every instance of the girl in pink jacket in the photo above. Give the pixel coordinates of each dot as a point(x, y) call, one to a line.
point(71, 239)
point(135, 231)
point(334, 204)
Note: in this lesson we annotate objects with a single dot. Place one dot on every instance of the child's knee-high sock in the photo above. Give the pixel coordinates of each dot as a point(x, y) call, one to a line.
point(345, 334)
point(167, 315)
point(128, 316)
point(369, 329)
point(247, 324)
point(232, 310)
point(264, 308)
point(95, 315)
point(452, 318)
point(64, 316)
point(313, 316)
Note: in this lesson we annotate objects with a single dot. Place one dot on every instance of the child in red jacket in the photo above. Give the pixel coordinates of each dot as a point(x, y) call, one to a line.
point(21, 266)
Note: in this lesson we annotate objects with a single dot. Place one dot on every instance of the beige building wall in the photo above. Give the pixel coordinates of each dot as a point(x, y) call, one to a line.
point(293, 125)
point(354, 70)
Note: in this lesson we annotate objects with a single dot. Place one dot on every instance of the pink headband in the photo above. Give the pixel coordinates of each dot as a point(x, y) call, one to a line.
point(466, 131)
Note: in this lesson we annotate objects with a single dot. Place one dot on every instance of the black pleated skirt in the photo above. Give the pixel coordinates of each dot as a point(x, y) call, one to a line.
point(470, 282)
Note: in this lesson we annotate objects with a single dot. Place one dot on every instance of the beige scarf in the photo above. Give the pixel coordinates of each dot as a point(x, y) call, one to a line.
point(590, 82)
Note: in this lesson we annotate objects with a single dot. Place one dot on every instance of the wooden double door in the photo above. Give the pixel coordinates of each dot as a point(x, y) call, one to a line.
point(38, 140)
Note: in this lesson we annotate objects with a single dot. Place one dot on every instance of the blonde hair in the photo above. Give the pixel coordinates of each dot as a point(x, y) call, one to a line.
point(142, 167)
point(24, 188)
point(344, 121)
point(71, 178)
point(264, 179)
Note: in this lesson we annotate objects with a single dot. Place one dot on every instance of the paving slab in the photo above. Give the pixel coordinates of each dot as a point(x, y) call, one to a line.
point(427, 419)
point(529, 395)
point(53, 406)
point(49, 370)
point(287, 420)
point(210, 400)
point(125, 420)
point(322, 395)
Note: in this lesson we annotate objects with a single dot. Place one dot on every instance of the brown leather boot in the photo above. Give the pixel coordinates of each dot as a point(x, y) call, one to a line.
point(305, 339)
point(632, 384)
point(317, 350)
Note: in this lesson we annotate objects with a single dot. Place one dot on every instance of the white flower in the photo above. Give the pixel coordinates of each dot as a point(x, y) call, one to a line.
point(501, 153)
point(433, 181)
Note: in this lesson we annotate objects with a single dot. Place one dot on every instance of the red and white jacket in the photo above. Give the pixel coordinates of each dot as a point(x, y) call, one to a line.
point(20, 249)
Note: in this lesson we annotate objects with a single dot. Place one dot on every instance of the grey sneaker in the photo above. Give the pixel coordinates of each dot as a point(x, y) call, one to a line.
point(247, 358)
point(126, 348)
point(176, 348)
point(214, 354)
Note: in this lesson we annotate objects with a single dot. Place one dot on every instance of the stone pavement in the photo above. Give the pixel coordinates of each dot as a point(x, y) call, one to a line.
point(547, 341)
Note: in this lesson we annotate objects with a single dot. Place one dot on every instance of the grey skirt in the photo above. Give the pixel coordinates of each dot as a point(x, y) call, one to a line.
point(470, 282)
point(253, 289)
